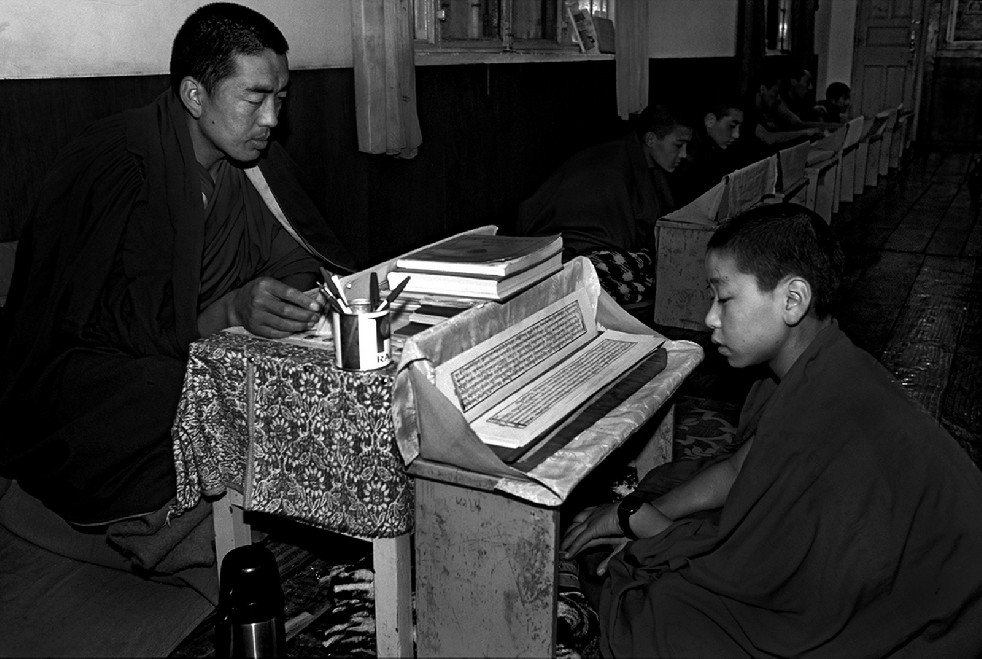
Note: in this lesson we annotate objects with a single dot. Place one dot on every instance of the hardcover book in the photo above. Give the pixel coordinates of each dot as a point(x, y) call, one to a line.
point(488, 287)
point(487, 255)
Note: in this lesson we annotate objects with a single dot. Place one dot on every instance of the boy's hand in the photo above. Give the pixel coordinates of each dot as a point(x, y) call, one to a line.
point(599, 525)
point(592, 526)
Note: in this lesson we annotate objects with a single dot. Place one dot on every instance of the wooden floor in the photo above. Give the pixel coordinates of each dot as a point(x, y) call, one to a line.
point(913, 292)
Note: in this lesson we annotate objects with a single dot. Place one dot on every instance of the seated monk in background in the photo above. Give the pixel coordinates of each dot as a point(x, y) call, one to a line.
point(847, 524)
point(771, 125)
point(606, 199)
point(713, 152)
point(153, 231)
point(835, 107)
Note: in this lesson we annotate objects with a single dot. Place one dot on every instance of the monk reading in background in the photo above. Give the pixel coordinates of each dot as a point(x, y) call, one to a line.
point(715, 149)
point(846, 524)
point(606, 199)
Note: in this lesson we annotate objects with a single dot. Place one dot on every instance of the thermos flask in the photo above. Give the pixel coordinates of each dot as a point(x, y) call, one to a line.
point(250, 605)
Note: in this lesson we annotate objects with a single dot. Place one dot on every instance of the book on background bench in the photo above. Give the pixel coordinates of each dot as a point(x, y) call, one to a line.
point(485, 254)
point(486, 287)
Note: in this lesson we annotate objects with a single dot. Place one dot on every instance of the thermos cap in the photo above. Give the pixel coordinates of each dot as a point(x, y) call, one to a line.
point(250, 581)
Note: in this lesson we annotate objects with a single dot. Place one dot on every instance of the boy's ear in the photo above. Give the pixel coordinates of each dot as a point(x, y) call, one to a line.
point(797, 300)
point(190, 93)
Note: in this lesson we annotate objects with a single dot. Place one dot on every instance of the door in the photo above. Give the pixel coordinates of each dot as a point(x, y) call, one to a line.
point(887, 58)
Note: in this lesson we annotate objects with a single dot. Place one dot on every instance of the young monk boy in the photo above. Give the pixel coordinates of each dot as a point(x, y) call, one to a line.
point(847, 524)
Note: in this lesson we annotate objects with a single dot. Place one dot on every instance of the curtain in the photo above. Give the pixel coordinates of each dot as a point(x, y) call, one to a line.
point(385, 77)
point(631, 43)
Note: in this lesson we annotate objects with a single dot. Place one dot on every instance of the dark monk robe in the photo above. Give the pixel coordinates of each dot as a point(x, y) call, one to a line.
point(605, 201)
point(606, 197)
point(854, 529)
point(130, 240)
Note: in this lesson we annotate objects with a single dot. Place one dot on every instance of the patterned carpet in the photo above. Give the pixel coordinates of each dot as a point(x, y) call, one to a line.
point(329, 591)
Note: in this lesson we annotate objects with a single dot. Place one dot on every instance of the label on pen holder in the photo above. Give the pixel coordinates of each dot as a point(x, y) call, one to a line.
point(361, 338)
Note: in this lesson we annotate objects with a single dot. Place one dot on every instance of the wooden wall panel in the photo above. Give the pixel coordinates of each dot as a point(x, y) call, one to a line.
point(38, 117)
point(491, 135)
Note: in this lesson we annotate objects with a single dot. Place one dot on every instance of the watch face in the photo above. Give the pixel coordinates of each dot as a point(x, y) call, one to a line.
point(631, 503)
point(627, 507)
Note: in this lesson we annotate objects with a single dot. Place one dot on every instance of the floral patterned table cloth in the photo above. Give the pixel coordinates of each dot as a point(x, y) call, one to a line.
point(299, 437)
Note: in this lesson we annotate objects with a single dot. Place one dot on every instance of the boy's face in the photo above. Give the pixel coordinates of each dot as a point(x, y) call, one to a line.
point(769, 96)
point(801, 86)
point(747, 324)
point(669, 151)
point(724, 130)
point(842, 103)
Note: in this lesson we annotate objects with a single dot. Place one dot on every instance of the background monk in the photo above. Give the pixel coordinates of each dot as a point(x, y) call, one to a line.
point(715, 149)
point(845, 525)
point(152, 232)
point(606, 199)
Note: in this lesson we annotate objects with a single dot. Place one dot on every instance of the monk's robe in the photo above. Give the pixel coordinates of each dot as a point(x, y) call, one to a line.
point(606, 197)
point(854, 529)
point(124, 249)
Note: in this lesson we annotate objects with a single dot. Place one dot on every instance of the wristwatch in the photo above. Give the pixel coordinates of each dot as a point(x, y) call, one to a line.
point(627, 507)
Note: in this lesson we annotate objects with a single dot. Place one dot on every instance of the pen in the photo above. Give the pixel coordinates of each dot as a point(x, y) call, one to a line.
point(373, 292)
point(330, 299)
point(336, 293)
point(390, 298)
point(340, 290)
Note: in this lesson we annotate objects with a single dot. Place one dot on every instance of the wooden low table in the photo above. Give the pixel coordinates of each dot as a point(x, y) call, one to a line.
point(487, 558)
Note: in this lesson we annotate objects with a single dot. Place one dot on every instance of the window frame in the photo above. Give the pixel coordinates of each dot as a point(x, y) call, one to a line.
point(432, 49)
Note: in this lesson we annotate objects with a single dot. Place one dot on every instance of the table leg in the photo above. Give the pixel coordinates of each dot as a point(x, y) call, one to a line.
point(392, 559)
point(658, 449)
point(486, 574)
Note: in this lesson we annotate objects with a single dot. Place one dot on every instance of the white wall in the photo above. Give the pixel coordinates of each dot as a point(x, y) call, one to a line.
point(66, 38)
point(842, 32)
point(692, 28)
point(835, 27)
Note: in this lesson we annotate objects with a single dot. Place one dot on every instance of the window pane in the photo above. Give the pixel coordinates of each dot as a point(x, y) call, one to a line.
point(777, 25)
point(593, 7)
point(534, 19)
point(470, 19)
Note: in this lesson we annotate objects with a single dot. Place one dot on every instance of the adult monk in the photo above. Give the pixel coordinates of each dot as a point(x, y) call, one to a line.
point(155, 227)
point(847, 524)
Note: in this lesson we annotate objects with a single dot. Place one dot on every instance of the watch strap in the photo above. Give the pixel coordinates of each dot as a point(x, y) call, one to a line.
point(627, 507)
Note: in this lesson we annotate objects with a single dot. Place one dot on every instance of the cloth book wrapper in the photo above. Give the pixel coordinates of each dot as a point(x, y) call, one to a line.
point(854, 131)
point(749, 185)
point(702, 210)
point(793, 161)
point(429, 426)
point(832, 142)
point(738, 191)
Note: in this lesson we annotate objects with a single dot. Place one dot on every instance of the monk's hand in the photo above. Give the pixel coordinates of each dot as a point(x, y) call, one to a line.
point(268, 307)
point(592, 526)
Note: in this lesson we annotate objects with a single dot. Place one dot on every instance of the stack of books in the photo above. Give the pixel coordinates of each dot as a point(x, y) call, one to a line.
point(479, 265)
